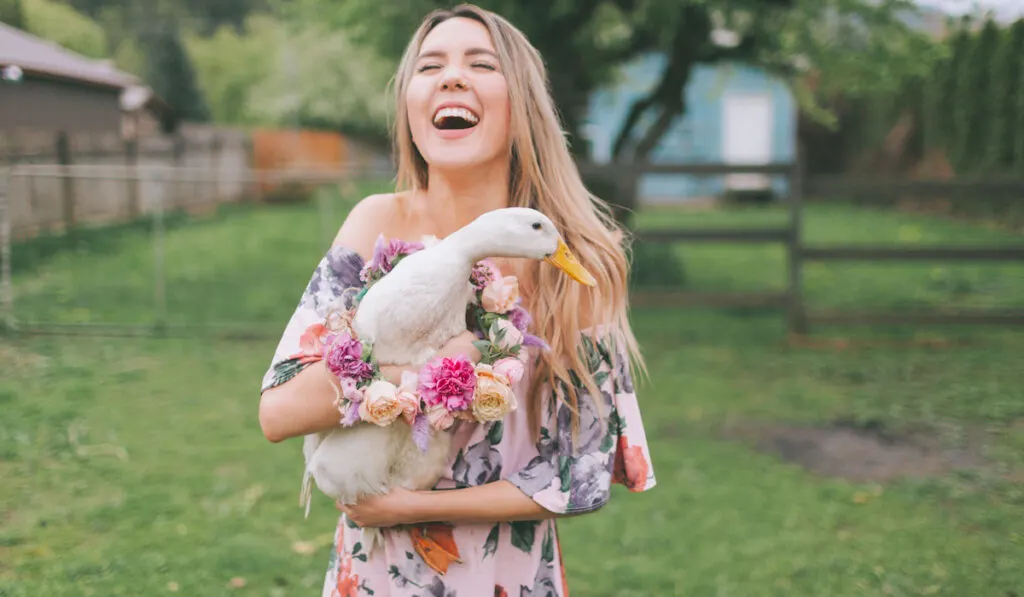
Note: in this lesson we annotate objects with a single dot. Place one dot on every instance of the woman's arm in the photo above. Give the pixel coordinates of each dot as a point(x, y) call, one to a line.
point(302, 405)
point(491, 502)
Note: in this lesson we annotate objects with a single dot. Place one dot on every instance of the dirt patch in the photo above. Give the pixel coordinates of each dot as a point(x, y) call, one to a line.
point(859, 453)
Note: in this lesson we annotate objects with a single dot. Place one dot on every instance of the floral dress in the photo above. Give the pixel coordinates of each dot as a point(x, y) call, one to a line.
point(562, 473)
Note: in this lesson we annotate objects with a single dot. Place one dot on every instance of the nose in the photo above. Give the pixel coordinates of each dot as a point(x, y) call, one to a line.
point(453, 80)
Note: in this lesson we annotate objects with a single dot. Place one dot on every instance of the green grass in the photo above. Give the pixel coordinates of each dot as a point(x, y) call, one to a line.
point(136, 466)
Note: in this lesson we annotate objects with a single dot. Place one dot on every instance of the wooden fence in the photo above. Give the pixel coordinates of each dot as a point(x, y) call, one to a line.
point(799, 252)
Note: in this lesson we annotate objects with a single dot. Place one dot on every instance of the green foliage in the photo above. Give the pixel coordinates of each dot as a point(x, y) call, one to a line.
point(303, 74)
point(11, 13)
point(1018, 126)
point(170, 72)
point(62, 25)
point(1005, 75)
point(973, 116)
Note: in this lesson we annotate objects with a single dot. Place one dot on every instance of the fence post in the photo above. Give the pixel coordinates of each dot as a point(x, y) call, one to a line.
point(6, 287)
point(159, 272)
point(68, 183)
point(131, 160)
point(796, 318)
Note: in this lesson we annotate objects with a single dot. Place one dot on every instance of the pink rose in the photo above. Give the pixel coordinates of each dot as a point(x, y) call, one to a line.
point(380, 404)
point(440, 418)
point(501, 295)
point(509, 335)
point(448, 381)
point(511, 368)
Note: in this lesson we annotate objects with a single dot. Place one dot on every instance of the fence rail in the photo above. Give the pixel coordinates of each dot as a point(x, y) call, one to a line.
point(788, 235)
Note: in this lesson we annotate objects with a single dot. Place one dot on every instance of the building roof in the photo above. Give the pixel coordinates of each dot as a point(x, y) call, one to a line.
point(37, 56)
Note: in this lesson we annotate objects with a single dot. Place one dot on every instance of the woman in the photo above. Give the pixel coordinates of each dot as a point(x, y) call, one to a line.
point(508, 481)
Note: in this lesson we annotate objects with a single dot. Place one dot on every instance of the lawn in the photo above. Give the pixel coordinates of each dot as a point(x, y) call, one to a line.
point(135, 466)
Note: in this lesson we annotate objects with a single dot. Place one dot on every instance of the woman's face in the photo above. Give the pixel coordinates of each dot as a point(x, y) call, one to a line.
point(457, 98)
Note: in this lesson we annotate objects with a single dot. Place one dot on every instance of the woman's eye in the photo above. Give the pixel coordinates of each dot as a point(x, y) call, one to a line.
point(484, 65)
point(427, 67)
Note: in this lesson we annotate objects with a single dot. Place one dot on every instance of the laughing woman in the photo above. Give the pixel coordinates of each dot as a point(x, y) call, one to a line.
point(476, 130)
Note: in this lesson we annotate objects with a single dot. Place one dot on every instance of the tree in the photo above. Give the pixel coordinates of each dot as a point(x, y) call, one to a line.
point(12, 14)
point(170, 73)
point(974, 119)
point(64, 26)
point(586, 42)
point(1007, 66)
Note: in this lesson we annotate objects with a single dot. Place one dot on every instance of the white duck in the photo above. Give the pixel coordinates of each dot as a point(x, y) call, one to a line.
point(408, 315)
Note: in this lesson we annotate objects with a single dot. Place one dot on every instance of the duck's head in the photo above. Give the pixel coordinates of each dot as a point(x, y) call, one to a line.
point(526, 233)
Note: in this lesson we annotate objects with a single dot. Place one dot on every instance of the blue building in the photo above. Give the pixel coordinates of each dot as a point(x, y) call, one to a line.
point(734, 114)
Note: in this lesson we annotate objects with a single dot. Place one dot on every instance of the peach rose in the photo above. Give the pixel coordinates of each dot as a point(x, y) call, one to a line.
point(501, 295)
point(439, 417)
point(380, 404)
point(407, 397)
point(494, 397)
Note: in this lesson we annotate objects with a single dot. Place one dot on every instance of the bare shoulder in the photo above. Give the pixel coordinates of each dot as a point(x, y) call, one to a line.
point(367, 220)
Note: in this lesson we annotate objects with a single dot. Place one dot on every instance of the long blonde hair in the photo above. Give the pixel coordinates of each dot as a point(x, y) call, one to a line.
point(543, 176)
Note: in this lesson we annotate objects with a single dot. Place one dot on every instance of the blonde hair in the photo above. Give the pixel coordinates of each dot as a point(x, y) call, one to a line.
point(543, 176)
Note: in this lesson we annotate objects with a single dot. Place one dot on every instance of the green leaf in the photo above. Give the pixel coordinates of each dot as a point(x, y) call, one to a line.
point(495, 434)
point(491, 544)
point(565, 473)
point(357, 548)
point(600, 377)
point(547, 549)
point(608, 442)
point(523, 534)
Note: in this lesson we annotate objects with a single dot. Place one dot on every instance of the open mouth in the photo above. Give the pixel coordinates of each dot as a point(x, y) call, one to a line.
point(447, 119)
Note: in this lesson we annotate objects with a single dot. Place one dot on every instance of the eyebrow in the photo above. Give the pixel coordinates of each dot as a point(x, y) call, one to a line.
point(469, 52)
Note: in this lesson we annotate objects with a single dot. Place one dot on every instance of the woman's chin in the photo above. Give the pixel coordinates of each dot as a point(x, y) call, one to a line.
point(461, 157)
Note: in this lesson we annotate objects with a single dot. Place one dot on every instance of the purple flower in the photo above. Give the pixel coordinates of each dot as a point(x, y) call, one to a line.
point(386, 253)
point(345, 358)
point(421, 431)
point(484, 272)
point(351, 414)
point(520, 318)
point(531, 340)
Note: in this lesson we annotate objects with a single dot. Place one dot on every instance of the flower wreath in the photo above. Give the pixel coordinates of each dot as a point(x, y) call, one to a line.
point(447, 389)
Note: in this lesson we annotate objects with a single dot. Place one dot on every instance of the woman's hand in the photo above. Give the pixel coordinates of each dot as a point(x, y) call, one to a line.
point(398, 506)
point(461, 345)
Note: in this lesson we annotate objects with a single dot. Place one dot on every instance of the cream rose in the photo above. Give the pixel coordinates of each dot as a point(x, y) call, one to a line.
point(439, 417)
point(380, 404)
point(500, 296)
point(494, 397)
point(512, 336)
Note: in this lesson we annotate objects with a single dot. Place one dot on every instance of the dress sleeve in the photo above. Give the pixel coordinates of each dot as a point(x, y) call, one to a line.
point(335, 282)
point(574, 475)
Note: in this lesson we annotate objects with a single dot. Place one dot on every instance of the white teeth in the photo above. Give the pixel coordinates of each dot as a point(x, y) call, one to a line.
point(455, 113)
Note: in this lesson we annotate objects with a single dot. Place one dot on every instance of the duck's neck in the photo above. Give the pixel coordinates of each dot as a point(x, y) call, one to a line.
point(472, 244)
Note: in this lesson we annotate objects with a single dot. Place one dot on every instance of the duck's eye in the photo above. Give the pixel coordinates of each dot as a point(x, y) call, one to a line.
point(536, 225)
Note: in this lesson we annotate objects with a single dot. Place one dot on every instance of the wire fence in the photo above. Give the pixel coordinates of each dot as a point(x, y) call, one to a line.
point(118, 272)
